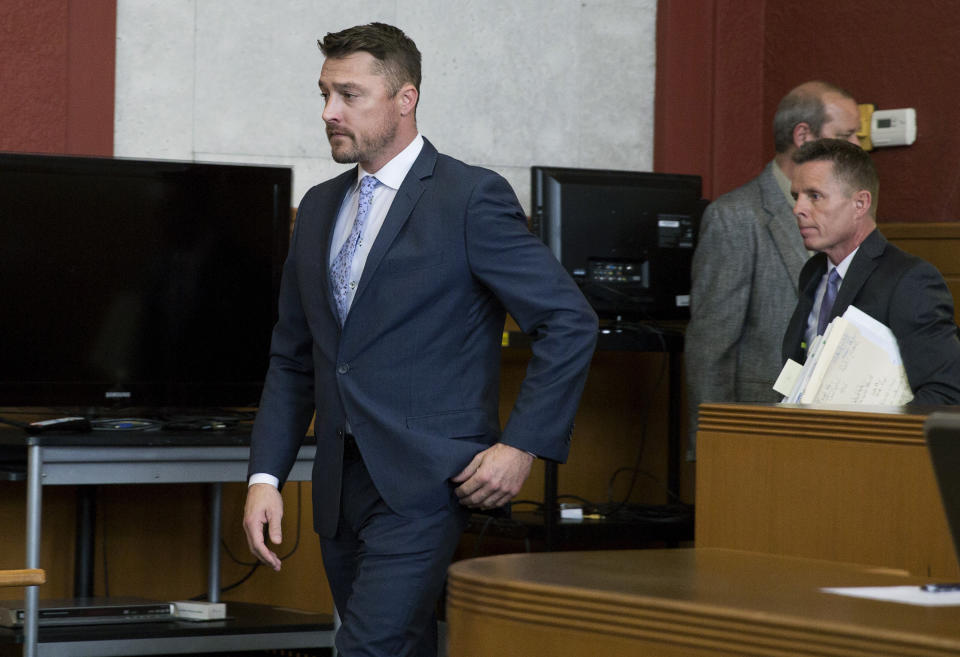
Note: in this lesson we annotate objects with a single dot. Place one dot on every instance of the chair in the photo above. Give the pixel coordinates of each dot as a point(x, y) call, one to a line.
point(30, 577)
point(25, 577)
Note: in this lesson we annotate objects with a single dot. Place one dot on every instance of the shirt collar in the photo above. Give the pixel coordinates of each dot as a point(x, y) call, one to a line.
point(782, 182)
point(393, 172)
point(844, 264)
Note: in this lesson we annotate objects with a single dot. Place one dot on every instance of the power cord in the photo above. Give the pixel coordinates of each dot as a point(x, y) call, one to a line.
point(254, 565)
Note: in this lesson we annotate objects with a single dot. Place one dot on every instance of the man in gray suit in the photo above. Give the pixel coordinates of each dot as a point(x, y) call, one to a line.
point(748, 260)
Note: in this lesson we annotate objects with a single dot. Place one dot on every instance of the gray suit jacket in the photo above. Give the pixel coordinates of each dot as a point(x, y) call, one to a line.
point(744, 289)
point(905, 293)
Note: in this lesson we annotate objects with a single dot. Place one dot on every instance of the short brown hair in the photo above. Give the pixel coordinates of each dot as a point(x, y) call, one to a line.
point(851, 164)
point(396, 54)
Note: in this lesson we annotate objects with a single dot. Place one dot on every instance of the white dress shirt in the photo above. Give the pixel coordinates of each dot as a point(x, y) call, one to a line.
point(813, 319)
point(390, 176)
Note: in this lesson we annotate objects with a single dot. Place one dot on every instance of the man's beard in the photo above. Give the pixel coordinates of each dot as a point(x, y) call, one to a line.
point(362, 149)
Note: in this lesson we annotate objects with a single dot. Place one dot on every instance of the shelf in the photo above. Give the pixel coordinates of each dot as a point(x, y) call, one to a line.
point(638, 526)
point(249, 627)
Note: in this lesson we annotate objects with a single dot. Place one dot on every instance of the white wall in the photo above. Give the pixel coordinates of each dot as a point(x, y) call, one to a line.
point(506, 83)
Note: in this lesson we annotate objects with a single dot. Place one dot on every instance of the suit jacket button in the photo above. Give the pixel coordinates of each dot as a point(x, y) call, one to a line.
point(343, 368)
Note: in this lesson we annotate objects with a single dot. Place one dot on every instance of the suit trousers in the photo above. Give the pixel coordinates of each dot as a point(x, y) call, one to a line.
point(387, 571)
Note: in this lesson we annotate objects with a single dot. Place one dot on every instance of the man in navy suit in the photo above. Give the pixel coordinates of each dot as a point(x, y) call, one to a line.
point(397, 350)
point(836, 189)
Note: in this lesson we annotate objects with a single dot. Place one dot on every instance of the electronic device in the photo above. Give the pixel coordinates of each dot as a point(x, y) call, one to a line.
point(893, 127)
point(88, 611)
point(942, 434)
point(626, 237)
point(138, 282)
point(199, 610)
point(77, 424)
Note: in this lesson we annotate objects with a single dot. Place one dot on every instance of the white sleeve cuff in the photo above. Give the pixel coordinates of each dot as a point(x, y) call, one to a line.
point(263, 478)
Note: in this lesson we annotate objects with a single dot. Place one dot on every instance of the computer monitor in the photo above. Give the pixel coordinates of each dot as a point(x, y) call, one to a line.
point(626, 237)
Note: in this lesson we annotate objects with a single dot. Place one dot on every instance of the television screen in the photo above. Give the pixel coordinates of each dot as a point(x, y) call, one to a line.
point(626, 237)
point(137, 282)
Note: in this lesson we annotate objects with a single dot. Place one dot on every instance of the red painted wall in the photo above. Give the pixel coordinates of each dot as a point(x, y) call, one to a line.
point(57, 63)
point(732, 60)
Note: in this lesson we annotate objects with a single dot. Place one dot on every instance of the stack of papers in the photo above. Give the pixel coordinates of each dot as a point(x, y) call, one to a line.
point(855, 361)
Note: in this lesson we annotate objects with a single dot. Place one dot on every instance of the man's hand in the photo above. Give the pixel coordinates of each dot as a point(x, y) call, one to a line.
point(264, 507)
point(493, 477)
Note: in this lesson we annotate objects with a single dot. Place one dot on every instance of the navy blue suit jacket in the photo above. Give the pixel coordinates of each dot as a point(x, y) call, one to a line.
point(905, 293)
point(415, 368)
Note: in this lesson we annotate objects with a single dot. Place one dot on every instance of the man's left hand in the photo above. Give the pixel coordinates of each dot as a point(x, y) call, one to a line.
point(493, 477)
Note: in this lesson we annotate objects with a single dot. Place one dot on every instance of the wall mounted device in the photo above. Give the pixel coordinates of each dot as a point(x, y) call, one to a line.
point(882, 128)
point(894, 127)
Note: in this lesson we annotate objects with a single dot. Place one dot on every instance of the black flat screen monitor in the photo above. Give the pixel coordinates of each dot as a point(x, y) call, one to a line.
point(138, 283)
point(626, 237)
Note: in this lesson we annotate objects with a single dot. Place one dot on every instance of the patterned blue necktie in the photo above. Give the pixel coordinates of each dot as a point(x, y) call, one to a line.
point(340, 267)
point(829, 296)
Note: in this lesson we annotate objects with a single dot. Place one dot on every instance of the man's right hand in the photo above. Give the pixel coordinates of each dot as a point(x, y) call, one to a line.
point(264, 507)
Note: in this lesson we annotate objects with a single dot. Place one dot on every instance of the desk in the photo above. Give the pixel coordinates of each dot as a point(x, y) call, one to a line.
point(638, 338)
point(142, 457)
point(691, 602)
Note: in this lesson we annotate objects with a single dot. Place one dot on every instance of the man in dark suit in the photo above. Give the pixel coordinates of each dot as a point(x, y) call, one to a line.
point(391, 308)
point(836, 189)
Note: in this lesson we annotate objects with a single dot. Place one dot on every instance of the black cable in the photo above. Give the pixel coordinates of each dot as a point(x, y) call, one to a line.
point(636, 469)
point(635, 301)
point(613, 506)
point(480, 535)
point(243, 579)
point(256, 564)
point(494, 521)
point(230, 587)
point(103, 529)
point(535, 503)
point(233, 557)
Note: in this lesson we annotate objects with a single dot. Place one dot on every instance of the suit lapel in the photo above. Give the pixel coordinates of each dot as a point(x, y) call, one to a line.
point(862, 265)
point(808, 292)
point(782, 225)
point(403, 204)
point(793, 341)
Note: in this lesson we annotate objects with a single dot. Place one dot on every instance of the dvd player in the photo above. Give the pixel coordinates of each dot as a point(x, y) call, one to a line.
point(85, 611)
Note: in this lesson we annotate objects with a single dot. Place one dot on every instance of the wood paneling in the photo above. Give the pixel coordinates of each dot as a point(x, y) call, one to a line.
point(827, 484)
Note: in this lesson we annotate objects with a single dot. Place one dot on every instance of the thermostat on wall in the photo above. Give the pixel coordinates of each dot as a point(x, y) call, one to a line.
point(895, 127)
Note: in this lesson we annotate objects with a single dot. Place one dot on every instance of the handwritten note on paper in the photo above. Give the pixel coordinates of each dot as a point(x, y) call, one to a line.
point(856, 361)
point(876, 332)
point(861, 372)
